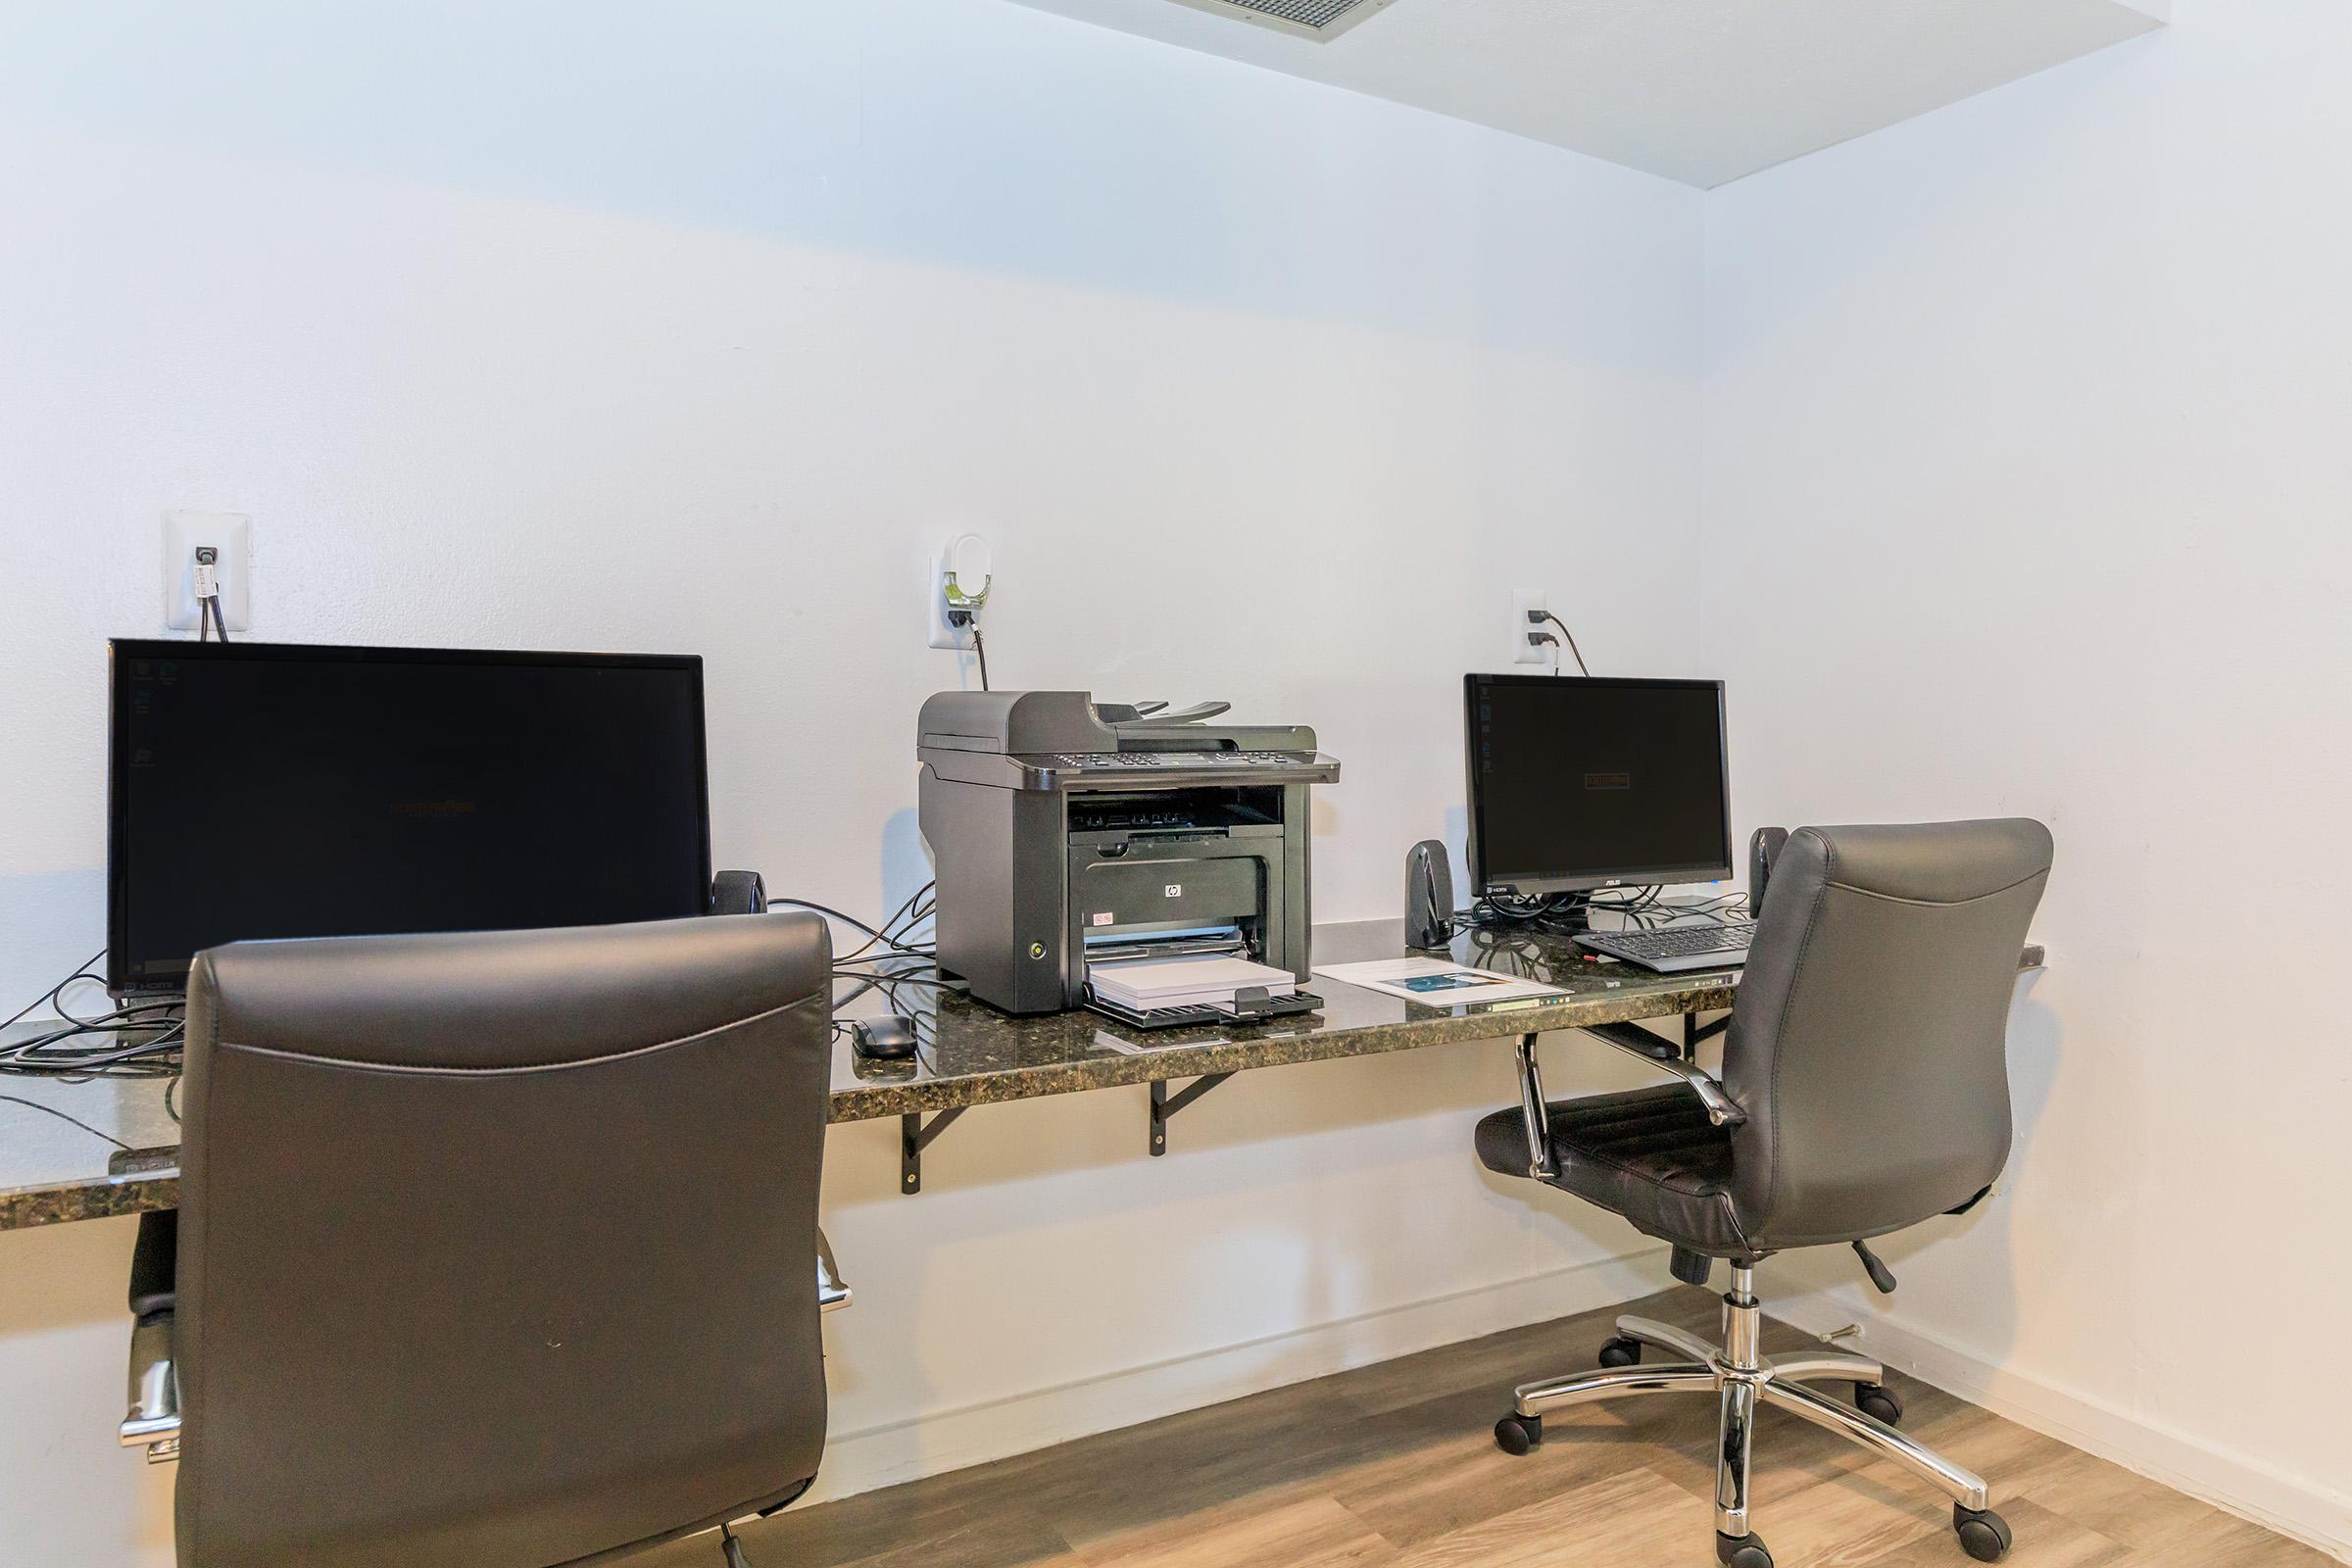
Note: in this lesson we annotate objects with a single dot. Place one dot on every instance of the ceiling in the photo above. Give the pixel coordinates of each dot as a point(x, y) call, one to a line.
point(1702, 91)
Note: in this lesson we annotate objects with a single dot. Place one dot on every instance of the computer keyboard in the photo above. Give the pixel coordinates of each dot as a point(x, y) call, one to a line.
point(1711, 944)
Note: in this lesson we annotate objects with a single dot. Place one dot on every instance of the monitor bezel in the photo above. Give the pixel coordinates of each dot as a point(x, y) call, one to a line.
point(122, 649)
point(1598, 880)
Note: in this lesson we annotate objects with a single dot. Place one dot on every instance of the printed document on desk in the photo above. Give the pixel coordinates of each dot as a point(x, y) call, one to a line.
point(1440, 982)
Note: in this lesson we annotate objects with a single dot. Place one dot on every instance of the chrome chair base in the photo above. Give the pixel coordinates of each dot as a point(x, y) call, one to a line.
point(1742, 1377)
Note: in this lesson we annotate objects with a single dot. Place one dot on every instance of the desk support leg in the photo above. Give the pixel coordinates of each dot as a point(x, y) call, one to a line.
point(1165, 1106)
point(914, 1136)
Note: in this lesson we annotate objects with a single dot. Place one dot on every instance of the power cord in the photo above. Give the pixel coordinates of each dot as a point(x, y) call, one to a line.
point(963, 614)
point(1541, 615)
point(82, 971)
point(898, 932)
point(1566, 913)
point(139, 1041)
point(52, 1110)
point(871, 965)
point(899, 944)
point(209, 618)
point(902, 963)
point(54, 1054)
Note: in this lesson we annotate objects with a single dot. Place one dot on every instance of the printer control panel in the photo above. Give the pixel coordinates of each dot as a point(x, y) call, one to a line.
point(1163, 770)
point(1111, 761)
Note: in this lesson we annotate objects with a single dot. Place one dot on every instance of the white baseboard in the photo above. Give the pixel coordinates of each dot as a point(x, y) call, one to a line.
point(950, 1440)
point(2311, 1512)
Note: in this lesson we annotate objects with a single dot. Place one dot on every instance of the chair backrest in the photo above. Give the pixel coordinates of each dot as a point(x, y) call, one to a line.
point(1868, 1042)
point(499, 1247)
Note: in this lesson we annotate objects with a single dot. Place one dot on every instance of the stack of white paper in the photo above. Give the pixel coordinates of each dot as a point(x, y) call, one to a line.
point(1148, 985)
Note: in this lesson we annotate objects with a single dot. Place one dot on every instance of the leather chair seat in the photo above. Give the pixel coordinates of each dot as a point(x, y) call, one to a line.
point(1649, 1155)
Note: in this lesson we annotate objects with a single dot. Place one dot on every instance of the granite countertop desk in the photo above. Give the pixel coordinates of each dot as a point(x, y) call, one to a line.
point(123, 1156)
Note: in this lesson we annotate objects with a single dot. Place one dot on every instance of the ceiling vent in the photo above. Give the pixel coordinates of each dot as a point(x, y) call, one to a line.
point(1319, 19)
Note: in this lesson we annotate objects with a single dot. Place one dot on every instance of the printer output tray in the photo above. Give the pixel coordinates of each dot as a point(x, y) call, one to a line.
point(1247, 1009)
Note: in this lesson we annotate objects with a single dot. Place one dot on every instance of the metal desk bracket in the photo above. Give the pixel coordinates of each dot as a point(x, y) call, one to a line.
point(1633, 1037)
point(1694, 1032)
point(1164, 1105)
point(915, 1136)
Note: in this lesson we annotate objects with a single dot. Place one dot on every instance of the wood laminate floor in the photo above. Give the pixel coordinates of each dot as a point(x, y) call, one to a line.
point(1393, 1466)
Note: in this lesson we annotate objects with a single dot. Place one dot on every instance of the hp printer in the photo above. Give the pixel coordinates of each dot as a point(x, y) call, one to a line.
point(1068, 832)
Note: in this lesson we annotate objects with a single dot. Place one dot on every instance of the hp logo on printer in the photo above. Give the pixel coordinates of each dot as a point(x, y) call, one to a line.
point(1174, 890)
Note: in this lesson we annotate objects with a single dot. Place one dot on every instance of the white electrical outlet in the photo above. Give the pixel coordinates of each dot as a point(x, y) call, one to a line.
point(230, 534)
point(1523, 652)
point(970, 562)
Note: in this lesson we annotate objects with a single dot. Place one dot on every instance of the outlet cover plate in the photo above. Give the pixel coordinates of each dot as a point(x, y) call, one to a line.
point(228, 532)
point(966, 553)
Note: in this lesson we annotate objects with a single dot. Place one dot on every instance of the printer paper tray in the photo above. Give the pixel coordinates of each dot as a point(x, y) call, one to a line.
point(1245, 1011)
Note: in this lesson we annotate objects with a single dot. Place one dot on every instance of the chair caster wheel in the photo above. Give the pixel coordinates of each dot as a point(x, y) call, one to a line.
point(1741, 1551)
point(1983, 1534)
point(1877, 1404)
point(1621, 1352)
point(1519, 1434)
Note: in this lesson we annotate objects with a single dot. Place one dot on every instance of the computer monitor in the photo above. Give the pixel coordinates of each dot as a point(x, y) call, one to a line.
point(263, 790)
point(1581, 784)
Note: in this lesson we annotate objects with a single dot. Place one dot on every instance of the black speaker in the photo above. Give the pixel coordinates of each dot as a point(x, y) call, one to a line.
point(738, 893)
point(1763, 848)
point(1428, 896)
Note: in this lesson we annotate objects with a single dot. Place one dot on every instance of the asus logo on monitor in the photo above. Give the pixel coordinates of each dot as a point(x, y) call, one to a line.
point(1608, 781)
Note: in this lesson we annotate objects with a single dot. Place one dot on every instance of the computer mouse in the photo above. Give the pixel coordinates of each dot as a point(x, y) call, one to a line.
point(889, 1039)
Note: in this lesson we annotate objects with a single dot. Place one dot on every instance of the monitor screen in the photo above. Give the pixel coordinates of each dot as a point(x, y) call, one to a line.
point(261, 790)
point(1577, 784)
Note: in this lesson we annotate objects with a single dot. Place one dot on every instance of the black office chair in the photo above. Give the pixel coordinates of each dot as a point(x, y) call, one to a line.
point(1864, 1089)
point(494, 1249)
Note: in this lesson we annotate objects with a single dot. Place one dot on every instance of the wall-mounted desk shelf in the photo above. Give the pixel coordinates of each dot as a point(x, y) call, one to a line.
point(52, 1170)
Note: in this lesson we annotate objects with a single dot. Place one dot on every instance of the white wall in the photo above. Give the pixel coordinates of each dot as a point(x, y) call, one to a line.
point(2026, 491)
point(695, 328)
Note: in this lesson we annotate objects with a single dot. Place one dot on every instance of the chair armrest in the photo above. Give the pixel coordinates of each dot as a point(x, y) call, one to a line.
point(1541, 1167)
point(155, 1264)
point(832, 1291)
point(152, 1422)
point(1636, 1041)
